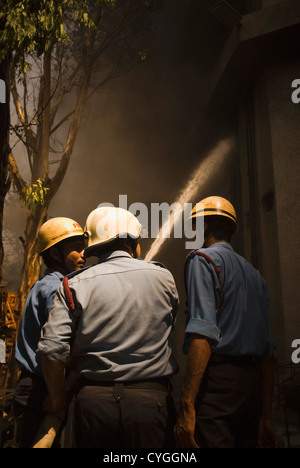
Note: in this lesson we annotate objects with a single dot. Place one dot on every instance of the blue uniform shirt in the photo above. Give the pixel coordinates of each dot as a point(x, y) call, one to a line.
point(128, 312)
point(241, 328)
point(36, 310)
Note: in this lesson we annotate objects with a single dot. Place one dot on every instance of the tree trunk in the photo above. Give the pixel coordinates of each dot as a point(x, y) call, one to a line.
point(4, 152)
point(32, 259)
point(41, 156)
point(40, 166)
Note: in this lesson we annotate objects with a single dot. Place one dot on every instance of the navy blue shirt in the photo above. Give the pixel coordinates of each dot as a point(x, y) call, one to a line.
point(35, 315)
point(241, 328)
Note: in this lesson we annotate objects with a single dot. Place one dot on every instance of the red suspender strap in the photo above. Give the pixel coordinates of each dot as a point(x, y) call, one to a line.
point(73, 306)
point(69, 295)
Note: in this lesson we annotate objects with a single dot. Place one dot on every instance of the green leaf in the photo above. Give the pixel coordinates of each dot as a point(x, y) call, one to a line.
point(34, 196)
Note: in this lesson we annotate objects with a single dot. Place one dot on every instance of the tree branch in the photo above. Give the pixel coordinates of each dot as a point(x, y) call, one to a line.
point(56, 181)
point(64, 89)
point(15, 175)
point(40, 165)
point(29, 134)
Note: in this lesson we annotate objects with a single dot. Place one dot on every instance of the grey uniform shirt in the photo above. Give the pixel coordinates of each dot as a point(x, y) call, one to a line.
point(127, 313)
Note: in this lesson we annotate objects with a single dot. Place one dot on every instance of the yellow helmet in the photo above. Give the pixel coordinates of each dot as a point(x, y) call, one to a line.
point(56, 230)
point(106, 223)
point(214, 206)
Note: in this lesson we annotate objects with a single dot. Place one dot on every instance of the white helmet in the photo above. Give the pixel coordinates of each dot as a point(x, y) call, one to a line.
point(106, 223)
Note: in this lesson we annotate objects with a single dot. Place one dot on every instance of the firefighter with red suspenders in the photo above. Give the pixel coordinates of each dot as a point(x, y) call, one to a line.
point(61, 245)
point(226, 397)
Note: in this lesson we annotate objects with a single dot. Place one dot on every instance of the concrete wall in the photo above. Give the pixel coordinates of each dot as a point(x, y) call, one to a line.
point(285, 137)
point(270, 170)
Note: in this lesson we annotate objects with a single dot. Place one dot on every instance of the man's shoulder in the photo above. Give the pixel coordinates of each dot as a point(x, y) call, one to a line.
point(158, 267)
point(157, 264)
point(50, 280)
point(203, 254)
point(106, 268)
point(78, 273)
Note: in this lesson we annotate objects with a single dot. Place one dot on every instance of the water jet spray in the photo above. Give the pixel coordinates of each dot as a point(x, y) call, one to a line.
point(195, 184)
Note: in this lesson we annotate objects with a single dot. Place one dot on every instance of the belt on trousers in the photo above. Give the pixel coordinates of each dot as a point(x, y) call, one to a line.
point(161, 383)
point(242, 361)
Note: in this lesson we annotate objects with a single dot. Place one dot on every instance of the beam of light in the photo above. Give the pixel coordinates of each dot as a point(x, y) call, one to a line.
point(196, 183)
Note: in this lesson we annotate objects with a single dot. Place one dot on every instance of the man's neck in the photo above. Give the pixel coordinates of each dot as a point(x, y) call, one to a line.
point(212, 240)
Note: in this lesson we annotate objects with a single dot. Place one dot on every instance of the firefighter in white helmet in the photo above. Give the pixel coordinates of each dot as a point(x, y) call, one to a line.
point(61, 243)
point(106, 224)
point(122, 345)
point(227, 392)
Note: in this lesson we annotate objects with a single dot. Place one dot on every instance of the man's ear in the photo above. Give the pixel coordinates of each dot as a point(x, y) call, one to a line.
point(54, 253)
point(128, 245)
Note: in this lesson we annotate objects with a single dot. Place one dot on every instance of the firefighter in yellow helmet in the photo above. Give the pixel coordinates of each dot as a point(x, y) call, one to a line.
point(56, 240)
point(218, 208)
point(226, 397)
point(61, 245)
point(122, 345)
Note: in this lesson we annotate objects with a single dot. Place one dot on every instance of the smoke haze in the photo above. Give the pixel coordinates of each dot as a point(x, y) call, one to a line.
point(143, 135)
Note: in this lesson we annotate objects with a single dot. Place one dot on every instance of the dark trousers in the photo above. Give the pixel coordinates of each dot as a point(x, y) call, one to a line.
point(28, 399)
point(120, 417)
point(229, 405)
